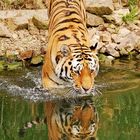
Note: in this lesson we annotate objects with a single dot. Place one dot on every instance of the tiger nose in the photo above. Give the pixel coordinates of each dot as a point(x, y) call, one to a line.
point(86, 90)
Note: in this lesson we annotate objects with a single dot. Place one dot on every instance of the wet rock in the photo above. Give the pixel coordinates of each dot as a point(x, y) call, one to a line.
point(93, 20)
point(109, 60)
point(4, 31)
point(100, 7)
point(36, 60)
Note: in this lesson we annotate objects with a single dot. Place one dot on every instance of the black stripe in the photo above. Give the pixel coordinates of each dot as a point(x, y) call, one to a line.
point(69, 13)
point(61, 29)
point(56, 3)
point(52, 79)
point(75, 20)
point(63, 38)
point(66, 70)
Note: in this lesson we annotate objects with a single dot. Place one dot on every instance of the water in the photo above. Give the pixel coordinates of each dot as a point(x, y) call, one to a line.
point(22, 99)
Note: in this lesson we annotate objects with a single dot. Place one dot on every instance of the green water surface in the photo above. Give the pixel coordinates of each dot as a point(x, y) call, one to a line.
point(118, 106)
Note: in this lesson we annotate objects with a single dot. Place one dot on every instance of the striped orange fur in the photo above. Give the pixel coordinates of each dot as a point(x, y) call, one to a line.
point(70, 59)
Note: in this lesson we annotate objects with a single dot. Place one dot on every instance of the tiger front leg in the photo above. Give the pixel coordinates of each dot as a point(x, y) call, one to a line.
point(47, 81)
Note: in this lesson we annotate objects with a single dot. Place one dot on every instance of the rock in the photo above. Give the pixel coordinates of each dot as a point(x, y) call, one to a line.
point(124, 2)
point(18, 19)
point(102, 28)
point(36, 60)
point(102, 49)
point(1, 53)
point(39, 23)
point(110, 57)
point(109, 60)
point(15, 36)
point(5, 14)
point(123, 51)
point(40, 19)
point(116, 16)
point(105, 36)
point(110, 49)
point(93, 20)
point(8, 14)
point(94, 37)
point(120, 3)
point(122, 32)
point(134, 26)
point(129, 43)
point(10, 52)
point(100, 7)
point(26, 55)
point(17, 23)
point(138, 56)
point(137, 46)
point(33, 30)
point(4, 31)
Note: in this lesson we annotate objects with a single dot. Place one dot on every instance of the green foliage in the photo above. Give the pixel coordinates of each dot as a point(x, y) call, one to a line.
point(132, 3)
point(130, 17)
point(133, 15)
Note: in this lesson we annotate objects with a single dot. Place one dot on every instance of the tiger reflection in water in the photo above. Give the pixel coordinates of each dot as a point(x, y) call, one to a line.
point(77, 120)
point(70, 120)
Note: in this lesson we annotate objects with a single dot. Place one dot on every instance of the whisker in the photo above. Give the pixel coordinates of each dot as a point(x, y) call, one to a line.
point(98, 92)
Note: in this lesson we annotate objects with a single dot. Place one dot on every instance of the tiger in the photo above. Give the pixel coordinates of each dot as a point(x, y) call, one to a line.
point(70, 60)
point(69, 120)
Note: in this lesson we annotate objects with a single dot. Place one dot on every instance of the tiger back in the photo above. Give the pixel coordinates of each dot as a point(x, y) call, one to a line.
point(70, 59)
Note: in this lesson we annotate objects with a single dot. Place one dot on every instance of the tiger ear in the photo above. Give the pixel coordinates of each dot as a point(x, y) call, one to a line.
point(65, 50)
point(94, 48)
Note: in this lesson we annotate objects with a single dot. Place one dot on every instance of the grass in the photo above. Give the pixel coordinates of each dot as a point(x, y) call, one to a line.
point(133, 15)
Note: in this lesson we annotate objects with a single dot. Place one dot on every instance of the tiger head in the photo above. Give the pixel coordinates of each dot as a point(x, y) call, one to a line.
point(78, 123)
point(78, 65)
point(84, 123)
